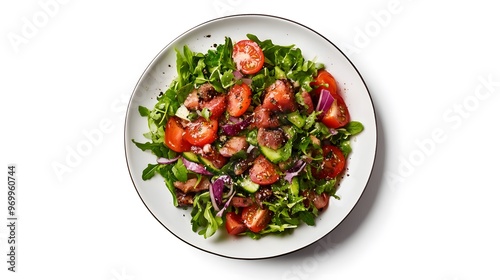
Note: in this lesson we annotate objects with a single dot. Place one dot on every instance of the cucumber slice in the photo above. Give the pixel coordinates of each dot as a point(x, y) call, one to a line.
point(274, 156)
point(294, 187)
point(296, 118)
point(248, 185)
point(208, 165)
point(191, 156)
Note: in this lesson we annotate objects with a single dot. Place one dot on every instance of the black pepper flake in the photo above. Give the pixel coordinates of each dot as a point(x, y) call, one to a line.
point(208, 36)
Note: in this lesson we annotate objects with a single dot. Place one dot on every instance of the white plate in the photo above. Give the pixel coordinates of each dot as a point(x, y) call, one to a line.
point(159, 75)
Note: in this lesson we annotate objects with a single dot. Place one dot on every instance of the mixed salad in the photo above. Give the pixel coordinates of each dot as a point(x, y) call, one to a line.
point(250, 136)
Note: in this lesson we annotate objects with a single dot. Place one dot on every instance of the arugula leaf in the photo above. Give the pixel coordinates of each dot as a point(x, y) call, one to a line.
point(149, 171)
point(158, 149)
point(354, 127)
point(143, 111)
point(307, 217)
point(202, 217)
point(288, 62)
point(180, 171)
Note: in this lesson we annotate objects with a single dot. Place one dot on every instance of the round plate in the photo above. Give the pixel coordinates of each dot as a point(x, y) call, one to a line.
point(158, 76)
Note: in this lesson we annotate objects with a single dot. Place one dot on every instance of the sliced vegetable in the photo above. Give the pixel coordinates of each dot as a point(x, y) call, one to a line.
point(256, 218)
point(201, 132)
point(163, 160)
point(248, 185)
point(325, 101)
point(338, 114)
point(195, 167)
point(191, 156)
point(235, 128)
point(239, 99)
point(248, 57)
point(216, 106)
point(294, 171)
point(332, 165)
point(324, 80)
point(174, 136)
point(234, 224)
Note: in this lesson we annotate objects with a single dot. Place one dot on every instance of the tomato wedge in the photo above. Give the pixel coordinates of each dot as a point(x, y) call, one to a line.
point(248, 57)
point(320, 201)
point(239, 99)
point(256, 218)
point(174, 133)
point(234, 224)
point(263, 172)
point(201, 131)
point(324, 80)
point(216, 105)
point(333, 163)
point(338, 114)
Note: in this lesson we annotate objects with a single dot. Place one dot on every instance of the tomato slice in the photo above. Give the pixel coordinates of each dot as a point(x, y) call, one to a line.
point(234, 224)
point(333, 163)
point(263, 172)
point(248, 57)
point(216, 105)
point(201, 131)
point(324, 80)
point(174, 133)
point(338, 114)
point(256, 218)
point(239, 99)
point(320, 201)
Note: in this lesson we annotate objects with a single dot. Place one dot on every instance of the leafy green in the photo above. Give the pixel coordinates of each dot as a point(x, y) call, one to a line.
point(203, 219)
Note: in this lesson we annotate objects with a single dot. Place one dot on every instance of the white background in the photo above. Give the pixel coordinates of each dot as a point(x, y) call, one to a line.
point(430, 210)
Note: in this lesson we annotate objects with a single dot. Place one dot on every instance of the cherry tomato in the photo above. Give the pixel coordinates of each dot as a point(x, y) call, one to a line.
point(216, 105)
point(324, 80)
point(333, 163)
point(201, 131)
point(234, 224)
point(239, 99)
point(263, 172)
point(256, 218)
point(338, 114)
point(320, 201)
point(174, 133)
point(248, 57)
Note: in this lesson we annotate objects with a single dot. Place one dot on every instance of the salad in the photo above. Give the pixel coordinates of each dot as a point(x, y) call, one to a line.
point(250, 136)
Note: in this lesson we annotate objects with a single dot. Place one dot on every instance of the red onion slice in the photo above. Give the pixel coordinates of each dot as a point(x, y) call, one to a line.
point(325, 102)
point(294, 171)
point(163, 160)
point(195, 167)
point(221, 211)
point(237, 75)
point(216, 190)
point(234, 129)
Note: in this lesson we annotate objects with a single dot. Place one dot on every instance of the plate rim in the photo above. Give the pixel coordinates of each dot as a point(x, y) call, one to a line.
point(257, 15)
